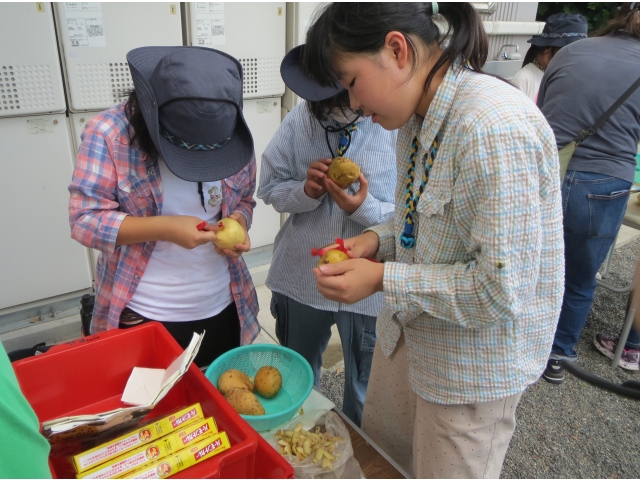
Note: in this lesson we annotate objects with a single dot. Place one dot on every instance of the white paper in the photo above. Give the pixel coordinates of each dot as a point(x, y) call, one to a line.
point(84, 24)
point(210, 23)
point(209, 7)
point(36, 126)
point(147, 386)
point(264, 106)
point(143, 385)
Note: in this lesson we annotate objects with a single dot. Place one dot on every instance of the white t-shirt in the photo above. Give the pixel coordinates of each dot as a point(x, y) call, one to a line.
point(528, 80)
point(180, 284)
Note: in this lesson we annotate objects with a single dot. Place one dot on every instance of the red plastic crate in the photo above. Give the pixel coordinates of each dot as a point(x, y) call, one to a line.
point(89, 375)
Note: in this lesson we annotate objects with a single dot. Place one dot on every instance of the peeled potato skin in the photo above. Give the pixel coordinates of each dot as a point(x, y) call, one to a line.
point(343, 172)
point(234, 379)
point(332, 256)
point(244, 402)
point(268, 381)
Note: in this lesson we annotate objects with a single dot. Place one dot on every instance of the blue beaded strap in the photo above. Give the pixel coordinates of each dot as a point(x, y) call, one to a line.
point(345, 139)
point(407, 238)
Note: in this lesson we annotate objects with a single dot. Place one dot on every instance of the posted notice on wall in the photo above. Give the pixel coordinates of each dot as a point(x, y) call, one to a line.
point(38, 126)
point(84, 24)
point(210, 23)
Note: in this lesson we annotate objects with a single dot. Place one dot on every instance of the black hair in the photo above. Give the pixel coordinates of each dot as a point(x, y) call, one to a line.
point(139, 133)
point(321, 110)
point(534, 50)
point(363, 27)
point(627, 22)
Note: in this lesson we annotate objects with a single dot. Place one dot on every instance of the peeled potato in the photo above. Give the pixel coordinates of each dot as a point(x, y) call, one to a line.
point(332, 256)
point(234, 379)
point(343, 172)
point(268, 381)
point(230, 235)
point(244, 402)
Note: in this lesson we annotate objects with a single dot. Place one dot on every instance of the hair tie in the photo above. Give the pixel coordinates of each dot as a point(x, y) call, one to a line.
point(434, 8)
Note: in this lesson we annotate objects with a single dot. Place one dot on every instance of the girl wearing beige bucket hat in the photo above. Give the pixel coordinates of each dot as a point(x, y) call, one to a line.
point(153, 177)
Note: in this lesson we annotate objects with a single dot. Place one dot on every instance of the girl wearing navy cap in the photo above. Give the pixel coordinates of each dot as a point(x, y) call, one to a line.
point(294, 180)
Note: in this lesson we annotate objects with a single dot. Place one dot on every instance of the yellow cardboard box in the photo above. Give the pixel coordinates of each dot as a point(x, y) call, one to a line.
point(107, 451)
point(137, 458)
point(213, 445)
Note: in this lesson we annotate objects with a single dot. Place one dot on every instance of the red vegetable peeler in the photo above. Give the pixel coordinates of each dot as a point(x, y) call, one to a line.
point(315, 252)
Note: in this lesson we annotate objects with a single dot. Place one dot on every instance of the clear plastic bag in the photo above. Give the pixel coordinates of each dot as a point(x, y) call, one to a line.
point(344, 465)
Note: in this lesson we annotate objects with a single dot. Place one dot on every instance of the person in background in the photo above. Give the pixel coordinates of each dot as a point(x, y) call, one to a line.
point(24, 452)
point(559, 31)
point(294, 180)
point(583, 81)
point(473, 258)
point(148, 173)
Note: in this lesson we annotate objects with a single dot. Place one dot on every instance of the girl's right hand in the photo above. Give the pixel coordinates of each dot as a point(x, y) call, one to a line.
point(314, 185)
point(363, 246)
point(183, 230)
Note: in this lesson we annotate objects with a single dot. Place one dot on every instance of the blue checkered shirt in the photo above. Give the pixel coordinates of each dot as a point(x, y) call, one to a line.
point(478, 298)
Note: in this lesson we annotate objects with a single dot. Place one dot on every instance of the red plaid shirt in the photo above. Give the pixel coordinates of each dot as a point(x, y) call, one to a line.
point(111, 180)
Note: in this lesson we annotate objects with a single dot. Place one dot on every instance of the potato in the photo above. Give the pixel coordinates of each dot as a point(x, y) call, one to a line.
point(244, 402)
point(231, 234)
point(343, 172)
point(268, 381)
point(332, 256)
point(234, 379)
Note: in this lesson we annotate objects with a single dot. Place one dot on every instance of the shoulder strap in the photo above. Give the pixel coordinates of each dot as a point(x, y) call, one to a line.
point(605, 116)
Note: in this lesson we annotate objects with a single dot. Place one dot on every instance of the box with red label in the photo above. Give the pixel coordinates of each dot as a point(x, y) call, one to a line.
point(88, 376)
point(137, 458)
point(184, 459)
point(148, 433)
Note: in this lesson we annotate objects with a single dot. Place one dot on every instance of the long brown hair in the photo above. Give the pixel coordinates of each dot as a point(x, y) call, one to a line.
point(627, 22)
point(139, 133)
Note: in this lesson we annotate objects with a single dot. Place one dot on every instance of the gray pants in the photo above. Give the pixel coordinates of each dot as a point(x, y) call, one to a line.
point(307, 331)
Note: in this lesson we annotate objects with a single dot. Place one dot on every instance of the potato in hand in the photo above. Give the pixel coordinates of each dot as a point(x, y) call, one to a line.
point(268, 381)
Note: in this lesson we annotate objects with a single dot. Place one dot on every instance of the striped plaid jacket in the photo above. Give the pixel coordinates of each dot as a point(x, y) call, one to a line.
point(479, 295)
point(111, 180)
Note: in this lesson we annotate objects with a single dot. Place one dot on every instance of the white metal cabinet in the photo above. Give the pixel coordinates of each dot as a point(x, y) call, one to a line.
point(30, 75)
point(263, 117)
point(95, 38)
point(39, 258)
point(252, 32)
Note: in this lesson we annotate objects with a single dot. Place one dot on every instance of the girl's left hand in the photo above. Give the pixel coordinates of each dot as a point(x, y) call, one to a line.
point(240, 248)
point(345, 201)
point(349, 281)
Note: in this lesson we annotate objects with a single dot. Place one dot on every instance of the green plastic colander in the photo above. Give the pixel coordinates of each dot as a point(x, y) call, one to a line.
point(297, 380)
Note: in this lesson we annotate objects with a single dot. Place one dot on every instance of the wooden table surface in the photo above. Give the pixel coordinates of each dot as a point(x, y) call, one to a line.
point(373, 461)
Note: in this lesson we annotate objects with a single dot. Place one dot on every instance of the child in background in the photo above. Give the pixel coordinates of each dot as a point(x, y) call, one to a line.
point(147, 174)
point(293, 179)
point(473, 272)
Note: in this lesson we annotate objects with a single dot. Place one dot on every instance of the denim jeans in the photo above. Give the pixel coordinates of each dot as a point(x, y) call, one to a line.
point(307, 330)
point(593, 208)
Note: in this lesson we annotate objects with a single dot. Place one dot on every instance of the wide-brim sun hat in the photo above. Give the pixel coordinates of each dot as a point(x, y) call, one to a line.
point(191, 101)
point(560, 30)
point(302, 83)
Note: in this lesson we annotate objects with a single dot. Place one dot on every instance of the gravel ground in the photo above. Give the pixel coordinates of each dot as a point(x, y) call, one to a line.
point(572, 430)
